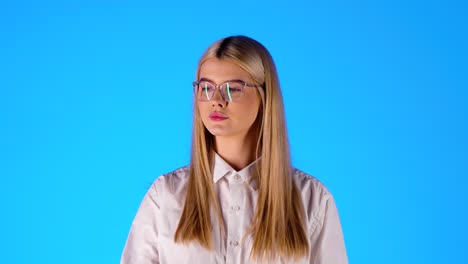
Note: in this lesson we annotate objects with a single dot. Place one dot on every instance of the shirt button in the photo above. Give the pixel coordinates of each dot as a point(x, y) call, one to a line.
point(235, 208)
point(234, 243)
point(237, 177)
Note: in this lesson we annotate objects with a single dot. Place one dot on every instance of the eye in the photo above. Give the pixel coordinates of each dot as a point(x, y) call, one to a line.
point(234, 87)
point(234, 90)
point(205, 87)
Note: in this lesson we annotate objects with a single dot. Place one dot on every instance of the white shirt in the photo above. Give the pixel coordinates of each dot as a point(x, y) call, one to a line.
point(151, 237)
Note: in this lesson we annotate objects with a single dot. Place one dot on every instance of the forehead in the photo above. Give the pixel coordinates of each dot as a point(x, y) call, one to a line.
point(222, 70)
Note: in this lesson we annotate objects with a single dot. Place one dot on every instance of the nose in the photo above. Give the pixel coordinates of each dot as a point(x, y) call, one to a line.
point(218, 100)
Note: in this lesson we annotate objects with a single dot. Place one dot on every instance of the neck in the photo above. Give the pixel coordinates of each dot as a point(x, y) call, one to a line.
point(238, 152)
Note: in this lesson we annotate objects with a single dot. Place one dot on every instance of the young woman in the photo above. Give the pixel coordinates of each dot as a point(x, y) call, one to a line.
point(240, 200)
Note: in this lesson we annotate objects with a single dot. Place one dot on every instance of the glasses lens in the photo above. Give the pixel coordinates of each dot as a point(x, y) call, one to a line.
point(205, 91)
point(232, 91)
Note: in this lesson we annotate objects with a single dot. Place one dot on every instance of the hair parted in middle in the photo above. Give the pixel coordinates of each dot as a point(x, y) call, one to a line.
point(278, 227)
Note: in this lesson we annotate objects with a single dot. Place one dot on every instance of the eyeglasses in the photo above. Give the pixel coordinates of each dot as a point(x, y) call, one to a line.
point(230, 91)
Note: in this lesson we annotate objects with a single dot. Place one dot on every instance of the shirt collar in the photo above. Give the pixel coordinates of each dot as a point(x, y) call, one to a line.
point(222, 169)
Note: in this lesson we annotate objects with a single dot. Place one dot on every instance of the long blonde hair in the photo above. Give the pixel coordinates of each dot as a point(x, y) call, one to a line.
point(278, 227)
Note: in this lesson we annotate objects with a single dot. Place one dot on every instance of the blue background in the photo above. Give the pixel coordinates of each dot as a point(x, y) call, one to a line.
point(95, 103)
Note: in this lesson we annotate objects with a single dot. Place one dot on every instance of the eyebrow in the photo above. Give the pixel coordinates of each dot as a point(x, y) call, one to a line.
point(233, 80)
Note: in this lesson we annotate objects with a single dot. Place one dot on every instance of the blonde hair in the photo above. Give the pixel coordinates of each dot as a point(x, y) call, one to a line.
point(278, 227)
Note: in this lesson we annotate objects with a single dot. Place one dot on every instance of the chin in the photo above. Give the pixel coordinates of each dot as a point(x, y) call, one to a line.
point(218, 129)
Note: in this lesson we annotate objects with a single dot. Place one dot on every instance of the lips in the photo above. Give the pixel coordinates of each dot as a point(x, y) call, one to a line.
point(217, 116)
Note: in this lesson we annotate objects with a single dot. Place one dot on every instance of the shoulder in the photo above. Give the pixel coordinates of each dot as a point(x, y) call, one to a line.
point(308, 184)
point(173, 178)
point(170, 187)
point(315, 196)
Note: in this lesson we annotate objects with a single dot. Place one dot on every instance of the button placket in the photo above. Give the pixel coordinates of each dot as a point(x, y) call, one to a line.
point(234, 243)
point(235, 208)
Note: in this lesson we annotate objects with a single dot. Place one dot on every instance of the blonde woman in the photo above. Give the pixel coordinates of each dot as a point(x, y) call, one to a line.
point(239, 200)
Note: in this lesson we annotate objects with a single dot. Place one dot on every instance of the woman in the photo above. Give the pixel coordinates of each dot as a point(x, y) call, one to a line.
point(240, 200)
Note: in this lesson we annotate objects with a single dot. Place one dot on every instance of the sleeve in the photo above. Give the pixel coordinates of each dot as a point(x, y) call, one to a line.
point(328, 246)
point(141, 246)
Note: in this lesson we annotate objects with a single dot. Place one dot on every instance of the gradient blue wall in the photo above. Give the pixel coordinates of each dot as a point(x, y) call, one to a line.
point(95, 103)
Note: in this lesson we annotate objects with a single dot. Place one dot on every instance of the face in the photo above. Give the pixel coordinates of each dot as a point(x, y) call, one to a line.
point(228, 119)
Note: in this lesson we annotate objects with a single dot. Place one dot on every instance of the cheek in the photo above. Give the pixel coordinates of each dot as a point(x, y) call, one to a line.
point(255, 112)
point(251, 110)
point(201, 107)
point(203, 111)
point(254, 106)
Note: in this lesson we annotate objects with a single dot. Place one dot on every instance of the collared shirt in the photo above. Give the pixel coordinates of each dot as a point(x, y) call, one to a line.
point(151, 237)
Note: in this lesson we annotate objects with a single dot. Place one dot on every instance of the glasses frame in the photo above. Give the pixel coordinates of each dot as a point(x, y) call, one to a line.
point(218, 87)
